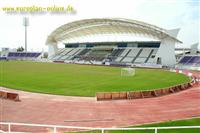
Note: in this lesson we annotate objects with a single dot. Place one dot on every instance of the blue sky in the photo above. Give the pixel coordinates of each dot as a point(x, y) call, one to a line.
point(167, 14)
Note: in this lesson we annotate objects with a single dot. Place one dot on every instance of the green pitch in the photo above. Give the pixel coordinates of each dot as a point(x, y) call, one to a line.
point(81, 80)
point(186, 122)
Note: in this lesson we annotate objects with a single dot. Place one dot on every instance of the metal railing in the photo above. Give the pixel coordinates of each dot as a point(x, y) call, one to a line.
point(56, 127)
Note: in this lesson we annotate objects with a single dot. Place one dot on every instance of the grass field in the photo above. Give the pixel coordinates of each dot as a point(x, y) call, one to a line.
point(81, 80)
point(188, 122)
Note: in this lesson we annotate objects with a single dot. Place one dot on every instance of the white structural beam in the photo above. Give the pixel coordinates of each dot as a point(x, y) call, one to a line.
point(116, 30)
point(96, 26)
point(166, 52)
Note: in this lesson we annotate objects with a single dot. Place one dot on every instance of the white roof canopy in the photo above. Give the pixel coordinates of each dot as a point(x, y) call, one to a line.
point(107, 30)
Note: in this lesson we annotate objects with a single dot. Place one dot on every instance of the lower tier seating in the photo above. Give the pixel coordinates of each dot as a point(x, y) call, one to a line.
point(23, 55)
point(116, 55)
point(190, 60)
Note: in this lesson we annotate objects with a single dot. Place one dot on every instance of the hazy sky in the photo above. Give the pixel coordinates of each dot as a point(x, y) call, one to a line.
point(167, 14)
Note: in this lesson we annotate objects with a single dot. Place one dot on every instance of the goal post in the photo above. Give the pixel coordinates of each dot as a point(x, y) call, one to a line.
point(127, 71)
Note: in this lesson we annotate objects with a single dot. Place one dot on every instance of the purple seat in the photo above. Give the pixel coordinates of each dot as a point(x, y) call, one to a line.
point(19, 55)
point(194, 60)
point(190, 60)
point(185, 59)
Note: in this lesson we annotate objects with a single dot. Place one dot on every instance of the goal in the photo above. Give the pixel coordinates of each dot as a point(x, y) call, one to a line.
point(127, 71)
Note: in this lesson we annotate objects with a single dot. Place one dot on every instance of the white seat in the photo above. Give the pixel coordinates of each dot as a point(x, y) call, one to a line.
point(133, 52)
point(155, 51)
point(124, 52)
point(118, 59)
point(151, 60)
point(127, 59)
point(72, 52)
point(140, 60)
point(145, 52)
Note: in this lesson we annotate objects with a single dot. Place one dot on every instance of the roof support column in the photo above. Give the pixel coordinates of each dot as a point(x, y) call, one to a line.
point(166, 52)
point(52, 49)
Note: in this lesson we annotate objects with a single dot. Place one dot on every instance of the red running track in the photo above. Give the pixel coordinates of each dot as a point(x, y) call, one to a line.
point(81, 111)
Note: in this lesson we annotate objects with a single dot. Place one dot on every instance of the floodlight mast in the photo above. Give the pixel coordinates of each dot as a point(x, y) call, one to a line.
point(25, 24)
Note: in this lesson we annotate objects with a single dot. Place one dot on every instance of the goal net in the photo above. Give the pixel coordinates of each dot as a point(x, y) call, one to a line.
point(127, 71)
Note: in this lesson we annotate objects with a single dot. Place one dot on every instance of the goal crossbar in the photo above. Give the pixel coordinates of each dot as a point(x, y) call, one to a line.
point(127, 71)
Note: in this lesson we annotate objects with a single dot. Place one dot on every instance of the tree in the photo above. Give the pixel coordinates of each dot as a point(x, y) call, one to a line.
point(20, 49)
point(45, 55)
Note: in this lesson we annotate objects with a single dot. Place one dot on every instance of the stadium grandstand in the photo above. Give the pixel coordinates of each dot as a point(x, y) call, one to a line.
point(193, 60)
point(7, 54)
point(23, 55)
point(113, 42)
point(169, 94)
point(188, 58)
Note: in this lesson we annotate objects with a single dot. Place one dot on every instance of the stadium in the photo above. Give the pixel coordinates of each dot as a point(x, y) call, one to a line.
point(117, 41)
point(113, 75)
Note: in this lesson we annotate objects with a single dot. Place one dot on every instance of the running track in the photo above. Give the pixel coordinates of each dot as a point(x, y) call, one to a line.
point(81, 111)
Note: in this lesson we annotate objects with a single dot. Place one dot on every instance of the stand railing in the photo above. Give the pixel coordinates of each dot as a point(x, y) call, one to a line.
point(56, 127)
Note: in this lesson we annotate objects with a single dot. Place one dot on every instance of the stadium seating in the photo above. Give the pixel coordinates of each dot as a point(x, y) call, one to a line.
point(119, 59)
point(3, 58)
point(127, 59)
point(134, 52)
point(123, 55)
point(99, 53)
point(83, 52)
point(113, 55)
point(116, 52)
point(66, 54)
point(131, 55)
point(190, 60)
point(152, 56)
point(23, 55)
point(145, 52)
point(92, 58)
point(140, 60)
